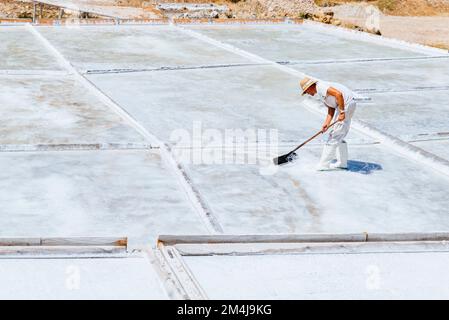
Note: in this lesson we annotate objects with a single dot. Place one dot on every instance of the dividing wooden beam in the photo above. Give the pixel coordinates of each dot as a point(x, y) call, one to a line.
point(24, 242)
point(59, 251)
point(412, 236)
point(282, 238)
point(72, 241)
point(302, 238)
point(62, 247)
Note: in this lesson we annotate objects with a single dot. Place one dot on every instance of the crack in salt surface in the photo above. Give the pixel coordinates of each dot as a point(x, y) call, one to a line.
point(74, 147)
point(361, 60)
point(424, 137)
point(411, 89)
point(236, 65)
point(172, 68)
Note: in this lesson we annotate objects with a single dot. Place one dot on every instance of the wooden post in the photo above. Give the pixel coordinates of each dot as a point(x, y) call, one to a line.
point(34, 11)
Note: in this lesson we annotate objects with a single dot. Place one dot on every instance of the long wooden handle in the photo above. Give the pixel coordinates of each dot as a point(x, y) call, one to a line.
point(311, 138)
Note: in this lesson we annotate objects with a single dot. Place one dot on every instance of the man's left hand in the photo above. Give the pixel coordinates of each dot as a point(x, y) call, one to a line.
point(341, 117)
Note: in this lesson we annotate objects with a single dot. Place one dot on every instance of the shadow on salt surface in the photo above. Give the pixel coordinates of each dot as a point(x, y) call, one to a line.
point(363, 167)
point(353, 166)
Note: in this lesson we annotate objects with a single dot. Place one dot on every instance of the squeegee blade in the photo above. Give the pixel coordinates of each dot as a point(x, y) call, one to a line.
point(289, 157)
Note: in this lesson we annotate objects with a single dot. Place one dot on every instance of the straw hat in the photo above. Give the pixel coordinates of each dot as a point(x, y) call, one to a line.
point(306, 83)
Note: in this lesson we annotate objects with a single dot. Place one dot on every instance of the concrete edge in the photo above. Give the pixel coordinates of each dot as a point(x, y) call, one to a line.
point(170, 240)
point(180, 276)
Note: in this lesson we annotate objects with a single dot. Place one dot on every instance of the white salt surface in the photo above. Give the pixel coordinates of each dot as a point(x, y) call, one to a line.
point(407, 114)
point(112, 47)
point(299, 199)
point(438, 147)
point(20, 50)
point(49, 110)
point(229, 98)
point(297, 43)
point(383, 74)
point(104, 278)
point(324, 276)
point(92, 193)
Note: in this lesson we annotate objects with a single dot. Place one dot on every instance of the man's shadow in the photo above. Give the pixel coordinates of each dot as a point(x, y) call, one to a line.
point(363, 167)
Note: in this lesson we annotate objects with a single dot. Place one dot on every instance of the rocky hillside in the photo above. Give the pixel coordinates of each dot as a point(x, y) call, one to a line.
point(23, 9)
point(249, 9)
point(244, 9)
point(11, 9)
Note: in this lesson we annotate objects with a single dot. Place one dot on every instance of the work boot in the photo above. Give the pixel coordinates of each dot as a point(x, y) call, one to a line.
point(342, 156)
point(327, 156)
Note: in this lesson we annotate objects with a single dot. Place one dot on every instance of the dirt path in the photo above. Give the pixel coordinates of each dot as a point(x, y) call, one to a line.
point(433, 31)
point(428, 30)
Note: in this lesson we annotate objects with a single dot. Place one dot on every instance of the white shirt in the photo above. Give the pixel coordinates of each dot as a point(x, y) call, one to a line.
point(330, 101)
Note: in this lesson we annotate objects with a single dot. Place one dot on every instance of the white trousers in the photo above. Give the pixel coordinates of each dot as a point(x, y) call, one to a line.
point(336, 147)
point(341, 129)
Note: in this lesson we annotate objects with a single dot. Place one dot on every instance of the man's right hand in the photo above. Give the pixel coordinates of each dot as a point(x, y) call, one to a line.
point(324, 127)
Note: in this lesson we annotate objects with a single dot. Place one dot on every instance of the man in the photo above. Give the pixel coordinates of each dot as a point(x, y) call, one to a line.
point(339, 101)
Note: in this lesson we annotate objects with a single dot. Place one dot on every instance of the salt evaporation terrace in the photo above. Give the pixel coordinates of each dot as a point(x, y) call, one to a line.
point(88, 113)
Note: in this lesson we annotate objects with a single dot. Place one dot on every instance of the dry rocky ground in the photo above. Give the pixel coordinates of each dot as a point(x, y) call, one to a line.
point(247, 9)
point(24, 9)
point(113, 8)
